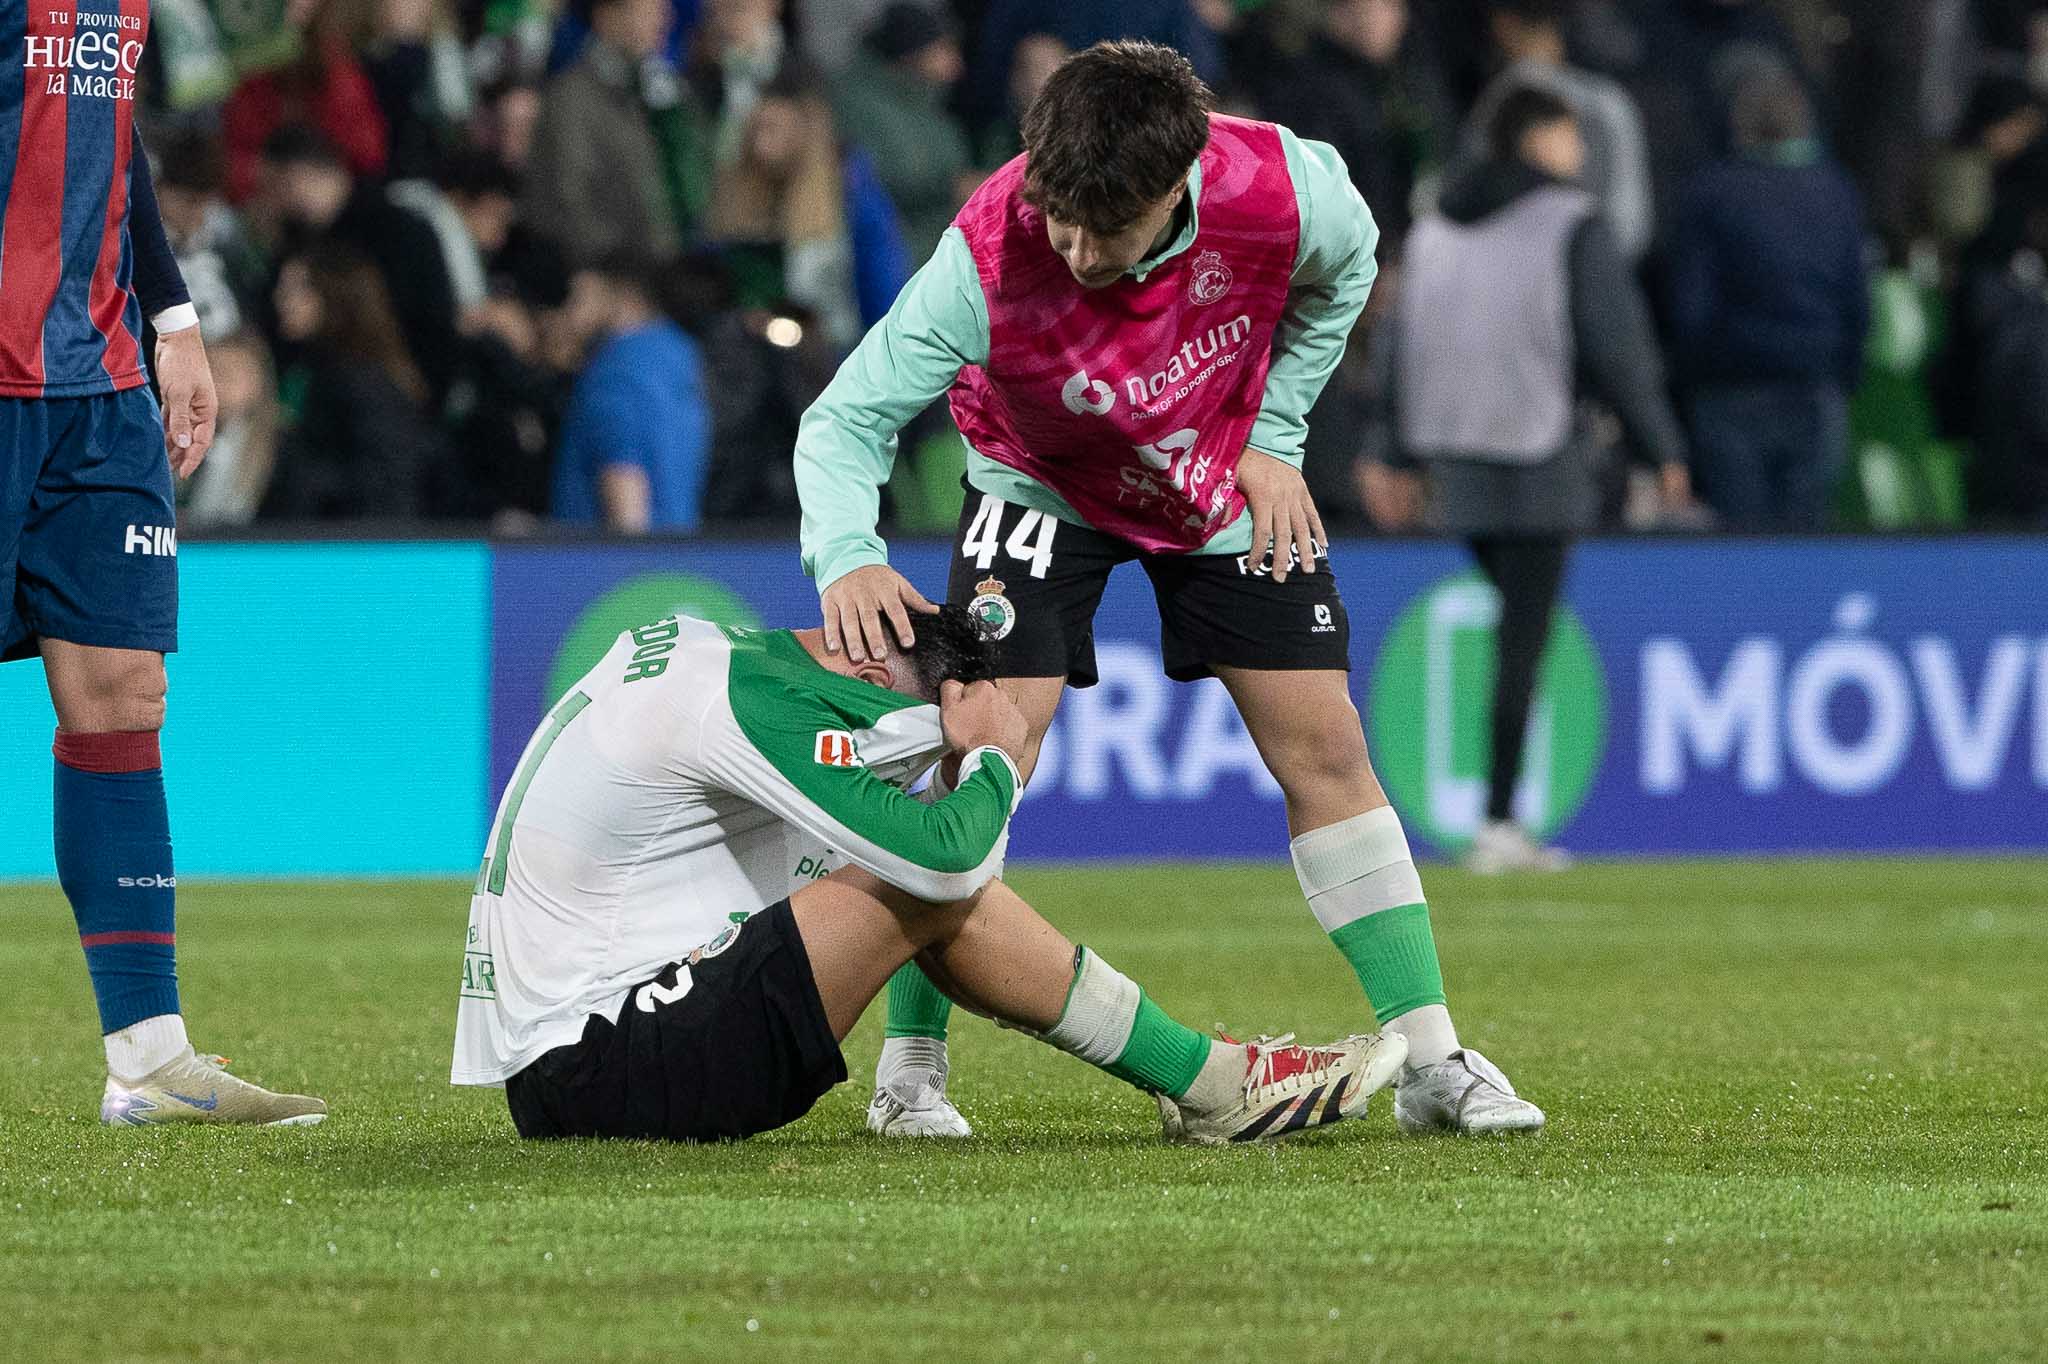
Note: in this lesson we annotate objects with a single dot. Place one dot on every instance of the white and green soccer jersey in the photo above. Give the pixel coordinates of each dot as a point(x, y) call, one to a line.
point(696, 776)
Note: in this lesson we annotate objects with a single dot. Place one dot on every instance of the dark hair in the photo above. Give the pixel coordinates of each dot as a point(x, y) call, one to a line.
point(1112, 133)
point(357, 321)
point(1534, 11)
point(475, 174)
point(296, 144)
point(194, 160)
point(628, 267)
point(1524, 108)
point(951, 647)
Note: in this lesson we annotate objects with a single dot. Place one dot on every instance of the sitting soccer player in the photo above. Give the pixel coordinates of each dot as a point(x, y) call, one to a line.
point(660, 944)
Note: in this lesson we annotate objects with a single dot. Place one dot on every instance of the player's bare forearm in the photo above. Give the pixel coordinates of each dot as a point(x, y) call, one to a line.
point(190, 407)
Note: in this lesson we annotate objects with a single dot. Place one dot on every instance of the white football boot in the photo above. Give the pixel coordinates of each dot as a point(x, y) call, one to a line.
point(1289, 1088)
point(1502, 846)
point(195, 1088)
point(913, 1103)
point(1464, 1092)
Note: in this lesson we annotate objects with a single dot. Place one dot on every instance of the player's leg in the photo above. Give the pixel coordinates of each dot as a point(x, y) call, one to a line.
point(1005, 961)
point(1283, 650)
point(1035, 582)
point(1351, 857)
point(97, 589)
point(1526, 571)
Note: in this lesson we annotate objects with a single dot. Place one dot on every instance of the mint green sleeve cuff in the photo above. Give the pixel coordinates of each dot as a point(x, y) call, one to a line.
point(846, 442)
point(1334, 271)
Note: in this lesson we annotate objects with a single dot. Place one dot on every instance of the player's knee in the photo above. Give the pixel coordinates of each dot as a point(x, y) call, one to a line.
point(1317, 757)
point(926, 923)
point(124, 694)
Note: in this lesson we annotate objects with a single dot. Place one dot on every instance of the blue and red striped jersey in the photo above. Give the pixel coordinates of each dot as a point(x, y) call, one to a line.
point(70, 324)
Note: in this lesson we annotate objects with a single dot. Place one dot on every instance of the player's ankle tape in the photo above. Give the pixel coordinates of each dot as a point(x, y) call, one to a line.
point(1102, 1008)
point(1356, 867)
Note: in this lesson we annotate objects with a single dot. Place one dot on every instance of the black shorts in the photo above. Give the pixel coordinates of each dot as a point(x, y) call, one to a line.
point(1039, 580)
point(744, 1047)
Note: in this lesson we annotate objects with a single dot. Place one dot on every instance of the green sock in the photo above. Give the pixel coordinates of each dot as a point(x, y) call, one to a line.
point(1108, 1022)
point(1162, 1055)
point(1360, 881)
point(916, 1007)
point(1394, 953)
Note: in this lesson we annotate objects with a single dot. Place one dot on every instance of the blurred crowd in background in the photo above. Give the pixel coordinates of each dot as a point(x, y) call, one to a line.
point(456, 257)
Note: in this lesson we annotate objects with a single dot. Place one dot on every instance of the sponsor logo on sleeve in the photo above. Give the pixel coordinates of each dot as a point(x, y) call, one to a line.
point(836, 749)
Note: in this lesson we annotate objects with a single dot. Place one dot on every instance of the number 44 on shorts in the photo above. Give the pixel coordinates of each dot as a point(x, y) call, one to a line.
point(1030, 540)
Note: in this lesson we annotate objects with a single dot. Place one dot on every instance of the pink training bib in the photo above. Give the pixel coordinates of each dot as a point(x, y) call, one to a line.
point(1133, 402)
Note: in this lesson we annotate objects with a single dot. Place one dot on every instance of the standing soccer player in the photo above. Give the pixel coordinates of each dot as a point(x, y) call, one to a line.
point(88, 536)
point(1133, 320)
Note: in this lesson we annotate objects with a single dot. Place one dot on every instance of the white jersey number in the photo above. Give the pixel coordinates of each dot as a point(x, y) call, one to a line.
point(982, 534)
point(654, 993)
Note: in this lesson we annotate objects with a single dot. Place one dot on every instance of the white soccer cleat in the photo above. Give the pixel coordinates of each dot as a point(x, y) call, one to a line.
point(1502, 846)
point(1464, 1092)
point(914, 1104)
point(1289, 1088)
point(194, 1088)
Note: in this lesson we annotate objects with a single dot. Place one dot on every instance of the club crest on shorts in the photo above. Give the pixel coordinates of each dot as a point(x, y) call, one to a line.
point(1211, 278)
point(836, 749)
point(715, 946)
point(993, 612)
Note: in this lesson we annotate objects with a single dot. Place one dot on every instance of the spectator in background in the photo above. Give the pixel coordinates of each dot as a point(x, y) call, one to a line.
point(324, 87)
point(1513, 295)
point(892, 104)
point(224, 268)
point(360, 445)
point(1080, 24)
point(1530, 37)
point(1038, 55)
point(1769, 305)
point(2003, 319)
point(507, 113)
point(311, 198)
point(618, 159)
point(636, 438)
point(739, 50)
point(230, 486)
point(828, 32)
point(419, 71)
point(1339, 81)
point(779, 213)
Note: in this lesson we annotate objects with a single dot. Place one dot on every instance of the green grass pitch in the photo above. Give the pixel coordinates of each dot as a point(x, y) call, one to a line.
point(1797, 1111)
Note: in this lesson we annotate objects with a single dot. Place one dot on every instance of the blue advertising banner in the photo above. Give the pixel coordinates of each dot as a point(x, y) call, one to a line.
point(327, 715)
point(354, 709)
point(1701, 696)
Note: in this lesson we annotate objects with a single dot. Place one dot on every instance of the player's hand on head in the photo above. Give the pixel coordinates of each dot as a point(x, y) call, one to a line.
point(863, 606)
point(1284, 517)
point(981, 715)
point(190, 405)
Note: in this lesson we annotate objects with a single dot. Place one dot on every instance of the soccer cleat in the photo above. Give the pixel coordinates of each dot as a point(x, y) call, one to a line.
point(193, 1088)
point(1290, 1088)
point(914, 1104)
point(1502, 846)
point(1464, 1092)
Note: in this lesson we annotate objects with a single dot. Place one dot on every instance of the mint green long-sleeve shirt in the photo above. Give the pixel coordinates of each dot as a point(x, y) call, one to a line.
point(846, 443)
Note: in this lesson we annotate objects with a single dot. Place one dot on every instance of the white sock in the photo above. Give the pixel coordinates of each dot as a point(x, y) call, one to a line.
point(1102, 1008)
point(1430, 1035)
point(139, 1048)
point(902, 1055)
point(1220, 1082)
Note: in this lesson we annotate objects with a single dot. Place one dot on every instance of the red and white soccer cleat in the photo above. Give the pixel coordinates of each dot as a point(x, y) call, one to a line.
point(1290, 1088)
